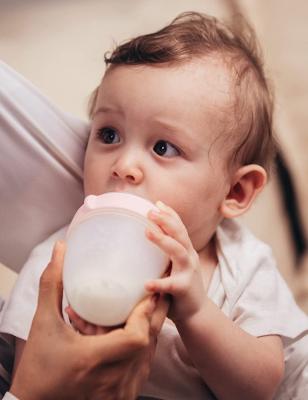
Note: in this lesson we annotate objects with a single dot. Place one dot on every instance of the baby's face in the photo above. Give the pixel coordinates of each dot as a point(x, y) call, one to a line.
point(152, 134)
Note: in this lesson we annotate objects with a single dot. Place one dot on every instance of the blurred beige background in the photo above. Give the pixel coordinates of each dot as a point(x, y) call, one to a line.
point(59, 46)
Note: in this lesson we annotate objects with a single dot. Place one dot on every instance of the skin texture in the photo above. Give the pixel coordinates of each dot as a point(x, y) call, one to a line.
point(59, 363)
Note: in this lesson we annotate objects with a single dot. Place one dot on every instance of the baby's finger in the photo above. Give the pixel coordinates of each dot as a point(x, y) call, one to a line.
point(101, 330)
point(164, 286)
point(77, 323)
point(170, 223)
point(86, 328)
point(175, 250)
point(80, 325)
point(91, 329)
point(71, 313)
point(169, 210)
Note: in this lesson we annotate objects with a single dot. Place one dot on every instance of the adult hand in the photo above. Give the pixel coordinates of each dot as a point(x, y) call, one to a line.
point(59, 363)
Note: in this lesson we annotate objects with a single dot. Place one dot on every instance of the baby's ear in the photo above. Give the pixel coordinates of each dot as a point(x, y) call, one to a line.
point(247, 182)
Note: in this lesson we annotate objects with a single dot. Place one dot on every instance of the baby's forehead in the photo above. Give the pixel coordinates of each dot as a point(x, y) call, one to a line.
point(208, 73)
point(214, 79)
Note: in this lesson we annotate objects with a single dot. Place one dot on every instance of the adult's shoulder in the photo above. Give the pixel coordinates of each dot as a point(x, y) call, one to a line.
point(42, 151)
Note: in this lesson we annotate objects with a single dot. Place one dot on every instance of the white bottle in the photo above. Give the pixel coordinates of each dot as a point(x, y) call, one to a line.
point(109, 258)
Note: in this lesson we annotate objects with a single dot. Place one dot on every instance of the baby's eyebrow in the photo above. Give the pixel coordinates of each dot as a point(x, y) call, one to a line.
point(183, 137)
point(106, 110)
point(170, 127)
point(173, 129)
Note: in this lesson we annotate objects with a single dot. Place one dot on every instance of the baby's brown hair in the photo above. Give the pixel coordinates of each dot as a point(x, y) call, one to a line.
point(194, 35)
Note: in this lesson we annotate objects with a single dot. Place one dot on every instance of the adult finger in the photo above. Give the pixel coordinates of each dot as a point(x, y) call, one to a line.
point(160, 314)
point(124, 342)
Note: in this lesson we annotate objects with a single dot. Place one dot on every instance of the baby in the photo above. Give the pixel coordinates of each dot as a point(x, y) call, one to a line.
point(183, 117)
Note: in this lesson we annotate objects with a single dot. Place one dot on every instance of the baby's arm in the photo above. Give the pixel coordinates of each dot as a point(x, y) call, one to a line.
point(233, 363)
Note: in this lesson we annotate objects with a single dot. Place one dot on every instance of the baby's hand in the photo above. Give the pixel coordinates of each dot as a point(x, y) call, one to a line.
point(82, 326)
point(185, 281)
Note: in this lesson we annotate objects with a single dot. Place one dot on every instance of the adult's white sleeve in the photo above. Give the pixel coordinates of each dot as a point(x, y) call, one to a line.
point(41, 157)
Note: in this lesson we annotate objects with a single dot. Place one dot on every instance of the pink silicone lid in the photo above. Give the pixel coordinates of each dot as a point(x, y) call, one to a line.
point(125, 201)
point(112, 200)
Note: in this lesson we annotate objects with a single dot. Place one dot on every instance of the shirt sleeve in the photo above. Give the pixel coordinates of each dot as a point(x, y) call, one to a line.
point(267, 306)
point(259, 300)
point(42, 151)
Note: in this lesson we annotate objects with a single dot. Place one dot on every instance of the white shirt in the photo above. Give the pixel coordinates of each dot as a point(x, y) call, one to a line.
point(246, 286)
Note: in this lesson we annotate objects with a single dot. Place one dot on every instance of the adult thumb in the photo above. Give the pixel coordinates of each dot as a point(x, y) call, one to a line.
point(51, 286)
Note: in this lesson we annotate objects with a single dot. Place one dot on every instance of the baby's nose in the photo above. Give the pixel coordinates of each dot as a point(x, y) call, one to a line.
point(128, 170)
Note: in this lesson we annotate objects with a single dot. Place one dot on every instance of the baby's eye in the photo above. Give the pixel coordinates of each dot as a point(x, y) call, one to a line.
point(108, 135)
point(163, 148)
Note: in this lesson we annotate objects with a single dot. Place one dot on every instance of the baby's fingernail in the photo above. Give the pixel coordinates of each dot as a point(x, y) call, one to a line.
point(153, 234)
point(154, 213)
point(161, 205)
